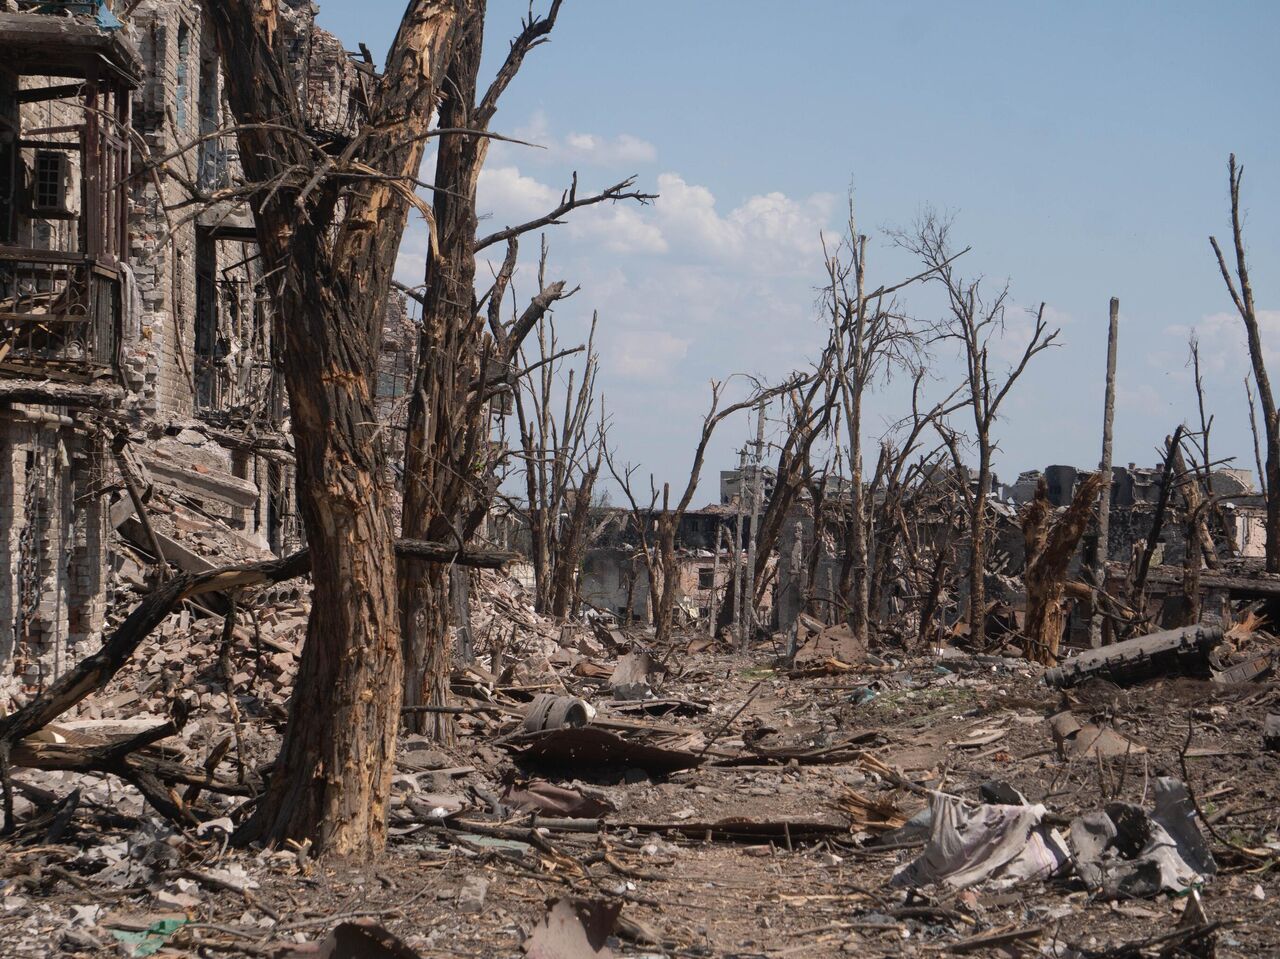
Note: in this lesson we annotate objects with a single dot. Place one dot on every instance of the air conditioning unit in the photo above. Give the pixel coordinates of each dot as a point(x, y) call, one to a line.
point(55, 185)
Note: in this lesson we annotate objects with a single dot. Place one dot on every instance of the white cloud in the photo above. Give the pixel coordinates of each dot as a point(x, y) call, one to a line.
point(621, 229)
point(578, 147)
point(513, 197)
point(1143, 399)
point(768, 232)
point(1223, 347)
point(622, 149)
point(646, 354)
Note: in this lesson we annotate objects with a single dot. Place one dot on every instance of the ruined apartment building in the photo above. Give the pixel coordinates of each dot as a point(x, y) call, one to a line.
point(132, 303)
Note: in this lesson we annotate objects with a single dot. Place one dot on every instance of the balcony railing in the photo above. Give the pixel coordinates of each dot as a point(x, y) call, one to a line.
point(59, 314)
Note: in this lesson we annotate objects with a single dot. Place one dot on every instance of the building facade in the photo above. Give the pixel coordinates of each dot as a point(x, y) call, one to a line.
point(135, 326)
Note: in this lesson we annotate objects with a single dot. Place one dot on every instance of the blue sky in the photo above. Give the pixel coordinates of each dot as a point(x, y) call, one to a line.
point(1081, 147)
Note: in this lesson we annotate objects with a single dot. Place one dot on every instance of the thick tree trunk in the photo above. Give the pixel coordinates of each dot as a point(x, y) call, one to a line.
point(329, 279)
point(859, 619)
point(448, 364)
point(331, 781)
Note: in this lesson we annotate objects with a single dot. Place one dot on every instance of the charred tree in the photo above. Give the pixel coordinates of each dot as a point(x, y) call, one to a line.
point(450, 459)
point(1242, 297)
point(972, 322)
point(561, 457)
point(872, 338)
point(328, 227)
point(1049, 548)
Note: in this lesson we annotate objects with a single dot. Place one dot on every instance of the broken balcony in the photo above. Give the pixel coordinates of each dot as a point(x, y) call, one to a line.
point(66, 79)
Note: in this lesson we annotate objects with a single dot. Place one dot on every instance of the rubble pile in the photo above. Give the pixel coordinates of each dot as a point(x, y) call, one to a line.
point(603, 796)
point(607, 795)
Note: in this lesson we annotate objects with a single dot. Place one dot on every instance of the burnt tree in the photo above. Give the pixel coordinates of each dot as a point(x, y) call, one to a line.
point(872, 339)
point(1049, 548)
point(329, 224)
point(973, 321)
point(1242, 297)
point(560, 459)
point(450, 459)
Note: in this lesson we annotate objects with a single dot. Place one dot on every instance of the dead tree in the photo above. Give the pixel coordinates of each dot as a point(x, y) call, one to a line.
point(899, 472)
point(972, 322)
point(329, 226)
point(1049, 548)
point(561, 445)
point(660, 550)
point(872, 337)
point(1104, 500)
point(449, 458)
point(808, 411)
point(1242, 297)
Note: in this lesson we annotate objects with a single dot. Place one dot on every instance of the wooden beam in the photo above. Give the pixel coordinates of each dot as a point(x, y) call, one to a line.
point(51, 393)
point(1262, 584)
point(59, 92)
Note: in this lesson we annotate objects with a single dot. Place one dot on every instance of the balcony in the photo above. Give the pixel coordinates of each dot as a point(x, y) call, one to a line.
point(59, 315)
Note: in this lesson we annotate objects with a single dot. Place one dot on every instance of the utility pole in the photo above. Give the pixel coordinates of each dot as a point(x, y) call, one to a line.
point(721, 539)
point(1104, 500)
point(757, 489)
point(737, 550)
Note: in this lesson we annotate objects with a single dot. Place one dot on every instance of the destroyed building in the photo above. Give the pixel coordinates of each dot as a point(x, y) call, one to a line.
point(135, 328)
point(615, 579)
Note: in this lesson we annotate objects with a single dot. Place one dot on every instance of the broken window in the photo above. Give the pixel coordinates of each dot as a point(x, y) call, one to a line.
point(210, 347)
point(706, 577)
point(55, 186)
point(182, 93)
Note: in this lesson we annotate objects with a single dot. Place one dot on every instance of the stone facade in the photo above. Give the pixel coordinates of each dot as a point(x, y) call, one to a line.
point(162, 293)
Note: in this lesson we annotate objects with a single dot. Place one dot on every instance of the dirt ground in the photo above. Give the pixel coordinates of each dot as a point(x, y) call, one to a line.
point(805, 885)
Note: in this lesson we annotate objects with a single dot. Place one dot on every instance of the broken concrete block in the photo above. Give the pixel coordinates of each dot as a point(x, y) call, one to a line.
point(1271, 732)
point(472, 894)
point(1171, 651)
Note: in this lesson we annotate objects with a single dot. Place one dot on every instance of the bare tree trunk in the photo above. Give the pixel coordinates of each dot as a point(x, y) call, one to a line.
point(447, 366)
point(668, 522)
point(1104, 501)
point(739, 590)
point(1049, 551)
point(757, 490)
point(978, 549)
point(713, 613)
point(1253, 428)
point(330, 279)
point(565, 578)
point(1243, 299)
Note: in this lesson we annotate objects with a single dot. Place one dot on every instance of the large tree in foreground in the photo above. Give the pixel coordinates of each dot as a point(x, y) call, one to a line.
point(466, 352)
point(329, 224)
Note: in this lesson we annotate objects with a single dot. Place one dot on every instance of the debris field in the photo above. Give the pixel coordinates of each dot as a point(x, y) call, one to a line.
point(701, 802)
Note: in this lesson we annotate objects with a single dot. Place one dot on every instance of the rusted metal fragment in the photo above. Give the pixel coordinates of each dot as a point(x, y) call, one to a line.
point(1246, 672)
point(549, 711)
point(591, 748)
point(574, 929)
